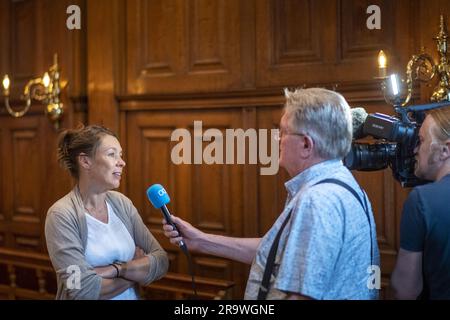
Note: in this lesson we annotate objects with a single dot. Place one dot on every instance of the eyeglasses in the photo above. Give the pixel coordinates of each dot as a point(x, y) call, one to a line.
point(283, 132)
point(447, 133)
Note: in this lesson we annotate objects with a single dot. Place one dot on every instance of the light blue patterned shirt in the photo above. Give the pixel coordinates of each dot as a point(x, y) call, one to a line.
point(324, 251)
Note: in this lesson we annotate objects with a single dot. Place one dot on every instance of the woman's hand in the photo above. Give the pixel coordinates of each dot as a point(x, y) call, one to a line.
point(138, 253)
point(106, 272)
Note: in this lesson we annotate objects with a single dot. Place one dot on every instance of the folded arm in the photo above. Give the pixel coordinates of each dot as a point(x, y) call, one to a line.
point(135, 270)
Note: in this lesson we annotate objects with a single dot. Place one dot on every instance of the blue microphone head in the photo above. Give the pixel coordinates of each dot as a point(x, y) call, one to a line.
point(158, 196)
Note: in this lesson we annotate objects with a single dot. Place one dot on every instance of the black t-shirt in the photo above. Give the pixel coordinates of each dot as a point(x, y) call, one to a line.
point(425, 226)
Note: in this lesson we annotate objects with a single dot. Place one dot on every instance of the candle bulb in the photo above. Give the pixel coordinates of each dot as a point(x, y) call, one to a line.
point(46, 80)
point(382, 61)
point(6, 82)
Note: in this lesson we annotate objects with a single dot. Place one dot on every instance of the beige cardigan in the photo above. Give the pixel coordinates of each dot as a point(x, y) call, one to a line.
point(66, 236)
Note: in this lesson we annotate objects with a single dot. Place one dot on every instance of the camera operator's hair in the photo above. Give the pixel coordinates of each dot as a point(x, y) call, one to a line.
point(72, 142)
point(325, 116)
point(442, 118)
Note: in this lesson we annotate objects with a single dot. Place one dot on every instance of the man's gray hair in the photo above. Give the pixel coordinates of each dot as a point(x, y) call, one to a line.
point(323, 115)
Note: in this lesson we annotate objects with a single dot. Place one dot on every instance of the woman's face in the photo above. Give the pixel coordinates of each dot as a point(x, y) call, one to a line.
point(107, 165)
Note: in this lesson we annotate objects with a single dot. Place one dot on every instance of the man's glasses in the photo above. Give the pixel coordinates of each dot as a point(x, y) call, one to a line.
point(283, 132)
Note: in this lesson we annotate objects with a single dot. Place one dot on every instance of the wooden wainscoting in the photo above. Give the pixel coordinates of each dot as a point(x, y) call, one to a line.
point(31, 276)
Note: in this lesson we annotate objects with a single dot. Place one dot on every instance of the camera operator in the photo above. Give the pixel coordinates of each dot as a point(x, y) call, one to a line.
point(423, 262)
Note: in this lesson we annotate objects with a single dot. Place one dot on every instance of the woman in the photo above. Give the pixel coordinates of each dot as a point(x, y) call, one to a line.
point(97, 242)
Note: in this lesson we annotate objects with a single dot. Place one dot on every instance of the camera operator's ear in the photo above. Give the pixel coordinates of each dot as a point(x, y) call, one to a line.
point(445, 150)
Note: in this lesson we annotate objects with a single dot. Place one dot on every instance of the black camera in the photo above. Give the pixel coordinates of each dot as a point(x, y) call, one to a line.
point(396, 140)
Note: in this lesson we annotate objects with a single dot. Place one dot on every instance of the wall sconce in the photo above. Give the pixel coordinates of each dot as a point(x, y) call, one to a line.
point(391, 85)
point(420, 67)
point(45, 89)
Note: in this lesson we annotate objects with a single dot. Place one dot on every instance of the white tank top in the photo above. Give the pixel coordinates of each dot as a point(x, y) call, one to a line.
point(109, 242)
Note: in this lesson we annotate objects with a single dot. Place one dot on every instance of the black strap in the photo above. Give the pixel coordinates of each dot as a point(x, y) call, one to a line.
point(264, 287)
point(364, 206)
point(265, 283)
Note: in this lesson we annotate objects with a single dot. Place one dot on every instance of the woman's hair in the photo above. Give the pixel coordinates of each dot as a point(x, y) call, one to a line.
point(325, 116)
point(72, 142)
point(442, 118)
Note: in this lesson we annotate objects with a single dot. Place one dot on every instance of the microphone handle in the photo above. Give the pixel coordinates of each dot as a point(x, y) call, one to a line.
point(166, 214)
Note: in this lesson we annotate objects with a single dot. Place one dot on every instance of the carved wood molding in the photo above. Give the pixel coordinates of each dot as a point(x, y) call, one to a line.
point(361, 91)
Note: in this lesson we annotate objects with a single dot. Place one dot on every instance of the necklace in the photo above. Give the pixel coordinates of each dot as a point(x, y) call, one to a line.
point(100, 214)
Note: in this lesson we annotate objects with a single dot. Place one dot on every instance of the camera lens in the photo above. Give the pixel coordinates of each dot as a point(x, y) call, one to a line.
point(370, 157)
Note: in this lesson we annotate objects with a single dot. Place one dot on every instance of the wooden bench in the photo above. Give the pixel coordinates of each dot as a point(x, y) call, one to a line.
point(179, 286)
point(29, 275)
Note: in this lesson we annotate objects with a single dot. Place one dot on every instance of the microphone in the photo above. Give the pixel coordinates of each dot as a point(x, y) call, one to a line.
point(359, 116)
point(159, 197)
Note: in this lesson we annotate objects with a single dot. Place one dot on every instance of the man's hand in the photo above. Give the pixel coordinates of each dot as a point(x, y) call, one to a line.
point(190, 234)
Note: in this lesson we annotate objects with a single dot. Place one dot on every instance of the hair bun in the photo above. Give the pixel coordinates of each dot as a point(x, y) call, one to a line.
point(63, 149)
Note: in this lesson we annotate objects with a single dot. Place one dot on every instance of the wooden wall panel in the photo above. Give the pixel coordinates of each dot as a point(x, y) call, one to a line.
point(296, 34)
point(25, 154)
point(155, 165)
point(22, 158)
point(207, 50)
point(4, 34)
point(161, 39)
point(102, 60)
point(212, 207)
point(182, 46)
point(355, 39)
point(70, 46)
point(208, 196)
point(214, 267)
point(31, 177)
point(3, 184)
point(291, 37)
point(271, 192)
point(327, 42)
point(23, 39)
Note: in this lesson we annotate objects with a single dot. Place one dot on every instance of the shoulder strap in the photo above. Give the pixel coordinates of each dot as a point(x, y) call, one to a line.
point(265, 283)
point(363, 205)
point(346, 186)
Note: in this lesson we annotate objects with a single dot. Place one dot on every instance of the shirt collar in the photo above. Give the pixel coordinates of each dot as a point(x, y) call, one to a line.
point(312, 174)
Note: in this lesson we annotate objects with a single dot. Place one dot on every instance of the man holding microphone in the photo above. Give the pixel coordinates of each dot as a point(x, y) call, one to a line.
point(324, 241)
